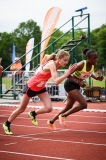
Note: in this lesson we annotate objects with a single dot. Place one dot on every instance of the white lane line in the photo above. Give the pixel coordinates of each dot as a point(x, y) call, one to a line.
point(50, 132)
point(62, 141)
point(10, 143)
point(58, 120)
point(86, 143)
point(58, 129)
point(55, 108)
point(44, 139)
point(72, 115)
point(93, 123)
point(33, 155)
point(63, 130)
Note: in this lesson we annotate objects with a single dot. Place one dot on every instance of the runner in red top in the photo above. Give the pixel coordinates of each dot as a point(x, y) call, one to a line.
point(36, 86)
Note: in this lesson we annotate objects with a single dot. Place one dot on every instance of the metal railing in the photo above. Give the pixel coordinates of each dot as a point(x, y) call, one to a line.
point(13, 85)
point(52, 45)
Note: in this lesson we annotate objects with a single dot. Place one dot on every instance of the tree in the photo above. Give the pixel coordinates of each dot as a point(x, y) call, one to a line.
point(66, 37)
point(5, 48)
point(22, 34)
point(27, 30)
point(102, 48)
point(98, 43)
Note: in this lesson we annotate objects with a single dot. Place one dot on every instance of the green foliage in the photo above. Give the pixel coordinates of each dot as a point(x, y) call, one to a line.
point(56, 41)
point(98, 43)
point(5, 48)
point(20, 36)
point(30, 29)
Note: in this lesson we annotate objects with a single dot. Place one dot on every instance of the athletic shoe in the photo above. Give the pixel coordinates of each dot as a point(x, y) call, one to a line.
point(7, 129)
point(62, 120)
point(52, 126)
point(34, 121)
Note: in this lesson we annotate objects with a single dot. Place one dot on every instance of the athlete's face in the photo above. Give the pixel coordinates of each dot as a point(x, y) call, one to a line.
point(93, 58)
point(63, 61)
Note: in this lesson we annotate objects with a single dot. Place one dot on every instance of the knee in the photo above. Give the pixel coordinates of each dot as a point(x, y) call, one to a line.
point(49, 109)
point(21, 110)
point(84, 105)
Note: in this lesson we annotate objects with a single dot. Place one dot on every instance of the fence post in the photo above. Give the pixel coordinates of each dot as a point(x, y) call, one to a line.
point(89, 81)
point(0, 85)
point(105, 89)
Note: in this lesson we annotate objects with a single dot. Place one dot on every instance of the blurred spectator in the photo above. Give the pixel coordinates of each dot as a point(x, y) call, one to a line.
point(18, 75)
point(1, 67)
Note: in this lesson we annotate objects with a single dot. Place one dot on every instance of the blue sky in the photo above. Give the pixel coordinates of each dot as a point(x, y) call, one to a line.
point(13, 12)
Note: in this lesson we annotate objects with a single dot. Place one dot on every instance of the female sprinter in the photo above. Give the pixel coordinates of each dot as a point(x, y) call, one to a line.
point(36, 86)
point(72, 85)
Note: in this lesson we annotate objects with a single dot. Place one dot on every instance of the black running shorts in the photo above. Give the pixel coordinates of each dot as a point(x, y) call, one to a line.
point(31, 93)
point(69, 85)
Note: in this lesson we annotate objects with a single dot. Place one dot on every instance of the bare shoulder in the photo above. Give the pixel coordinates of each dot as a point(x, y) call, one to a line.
point(80, 65)
point(51, 63)
point(45, 59)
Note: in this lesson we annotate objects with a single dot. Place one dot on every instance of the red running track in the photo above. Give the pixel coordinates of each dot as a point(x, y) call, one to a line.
point(84, 138)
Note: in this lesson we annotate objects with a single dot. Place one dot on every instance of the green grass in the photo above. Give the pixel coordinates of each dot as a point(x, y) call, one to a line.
point(7, 82)
point(94, 82)
point(102, 84)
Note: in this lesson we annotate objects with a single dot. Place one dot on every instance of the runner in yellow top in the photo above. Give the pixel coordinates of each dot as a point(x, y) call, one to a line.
point(72, 85)
point(84, 74)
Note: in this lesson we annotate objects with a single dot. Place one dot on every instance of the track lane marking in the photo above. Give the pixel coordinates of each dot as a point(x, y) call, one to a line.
point(86, 143)
point(65, 141)
point(33, 155)
point(58, 129)
point(10, 143)
point(67, 122)
point(55, 108)
point(31, 138)
point(73, 115)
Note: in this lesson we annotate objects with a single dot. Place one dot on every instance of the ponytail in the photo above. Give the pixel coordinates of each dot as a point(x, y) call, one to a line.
point(58, 54)
point(87, 52)
point(52, 57)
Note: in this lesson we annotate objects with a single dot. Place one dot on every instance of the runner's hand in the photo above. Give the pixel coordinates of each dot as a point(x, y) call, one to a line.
point(100, 78)
point(72, 68)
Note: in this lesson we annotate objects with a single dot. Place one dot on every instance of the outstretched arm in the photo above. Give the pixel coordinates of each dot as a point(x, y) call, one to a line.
point(57, 80)
point(99, 78)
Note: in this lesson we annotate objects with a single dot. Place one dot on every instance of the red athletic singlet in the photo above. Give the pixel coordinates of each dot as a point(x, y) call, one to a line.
point(38, 81)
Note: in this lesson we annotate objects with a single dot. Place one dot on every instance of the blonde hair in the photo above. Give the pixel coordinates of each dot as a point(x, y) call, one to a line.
point(60, 54)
